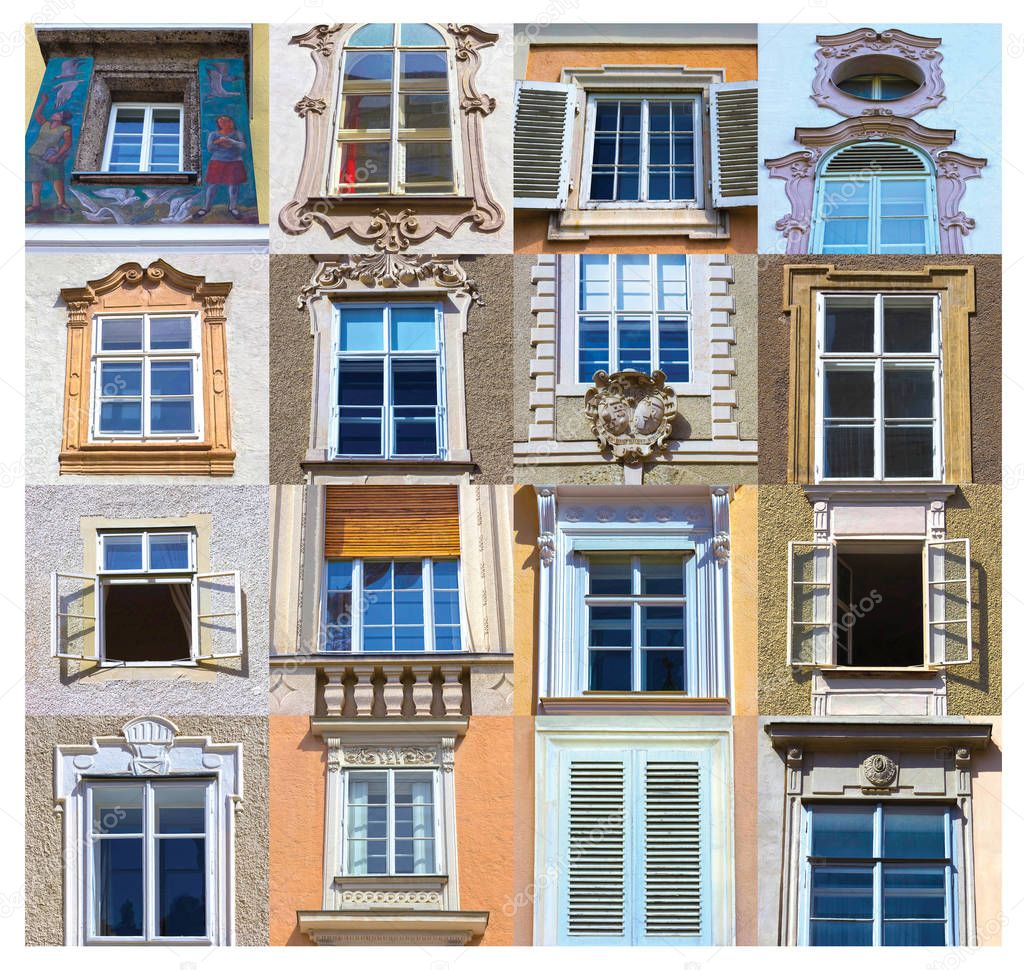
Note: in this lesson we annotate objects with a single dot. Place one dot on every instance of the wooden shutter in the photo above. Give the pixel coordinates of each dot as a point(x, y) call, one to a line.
point(391, 520)
point(811, 602)
point(73, 606)
point(734, 143)
point(595, 908)
point(673, 851)
point(948, 601)
point(544, 115)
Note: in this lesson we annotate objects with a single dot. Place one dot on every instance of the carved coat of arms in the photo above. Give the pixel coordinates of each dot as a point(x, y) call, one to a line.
point(631, 413)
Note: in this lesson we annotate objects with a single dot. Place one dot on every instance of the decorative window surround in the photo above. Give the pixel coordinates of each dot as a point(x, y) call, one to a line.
point(389, 278)
point(551, 367)
point(852, 760)
point(391, 223)
point(707, 736)
point(865, 51)
point(132, 288)
point(576, 519)
point(148, 747)
point(955, 286)
point(391, 910)
point(799, 170)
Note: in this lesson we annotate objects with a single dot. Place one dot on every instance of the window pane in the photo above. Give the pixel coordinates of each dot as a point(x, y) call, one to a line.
point(610, 670)
point(606, 116)
point(611, 626)
point(126, 145)
point(122, 333)
point(903, 197)
point(913, 834)
point(414, 382)
point(849, 452)
point(908, 452)
point(338, 619)
point(903, 235)
point(634, 344)
point(169, 551)
point(409, 609)
point(171, 417)
point(339, 574)
point(425, 111)
point(595, 283)
point(611, 576)
point(362, 328)
point(633, 282)
point(664, 670)
point(843, 833)
point(446, 607)
point(378, 575)
point(170, 378)
point(661, 576)
point(674, 349)
point(428, 166)
point(120, 379)
point(413, 328)
point(367, 70)
point(165, 144)
point(672, 283)
point(628, 184)
point(365, 167)
point(446, 574)
point(181, 886)
point(840, 934)
point(122, 552)
point(662, 626)
point(415, 431)
point(414, 823)
point(602, 185)
point(907, 326)
point(360, 431)
point(373, 35)
point(849, 326)
point(424, 71)
point(913, 934)
point(170, 333)
point(845, 199)
point(117, 809)
point(419, 35)
point(119, 887)
point(361, 383)
point(363, 112)
point(845, 236)
point(909, 393)
point(849, 393)
point(180, 809)
point(842, 891)
point(593, 349)
point(914, 892)
point(121, 417)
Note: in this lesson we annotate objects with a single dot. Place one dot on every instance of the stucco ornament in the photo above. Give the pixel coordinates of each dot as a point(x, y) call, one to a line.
point(879, 770)
point(150, 740)
point(631, 413)
point(403, 756)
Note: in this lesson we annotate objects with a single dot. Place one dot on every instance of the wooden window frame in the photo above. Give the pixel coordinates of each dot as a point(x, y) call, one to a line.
point(145, 151)
point(134, 289)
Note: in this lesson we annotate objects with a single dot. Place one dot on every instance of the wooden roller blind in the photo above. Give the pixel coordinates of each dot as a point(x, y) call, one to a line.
point(391, 520)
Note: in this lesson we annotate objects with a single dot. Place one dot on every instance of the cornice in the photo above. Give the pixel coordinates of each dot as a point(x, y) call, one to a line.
point(907, 732)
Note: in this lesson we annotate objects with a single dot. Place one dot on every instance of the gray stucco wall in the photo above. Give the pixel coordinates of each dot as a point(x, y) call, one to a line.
point(46, 349)
point(44, 840)
point(238, 540)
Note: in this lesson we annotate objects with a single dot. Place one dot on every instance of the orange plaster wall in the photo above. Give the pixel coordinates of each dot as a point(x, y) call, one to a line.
point(297, 779)
point(485, 818)
point(526, 561)
point(525, 885)
point(988, 838)
point(743, 554)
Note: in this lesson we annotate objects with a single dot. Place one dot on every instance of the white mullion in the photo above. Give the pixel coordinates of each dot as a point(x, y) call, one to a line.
point(397, 168)
point(357, 611)
point(879, 368)
point(427, 575)
point(653, 319)
point(613, 310)
point(149, 864)
point(147, 138)
point(645, 129)
point(636, 654)
point(391, 822)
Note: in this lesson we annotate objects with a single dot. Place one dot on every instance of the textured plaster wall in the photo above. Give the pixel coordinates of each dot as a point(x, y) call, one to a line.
point(53, 541)
point(297, 764)
point(973, 512)
point(44, 839)
point(46, 349)
point(971, 71)
point(290, 79)
point(985, 355)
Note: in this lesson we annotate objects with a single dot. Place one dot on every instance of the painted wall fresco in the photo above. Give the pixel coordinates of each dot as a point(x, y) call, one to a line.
point(224, 193)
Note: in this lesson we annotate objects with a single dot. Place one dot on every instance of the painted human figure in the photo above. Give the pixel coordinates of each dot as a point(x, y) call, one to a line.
point(225, 167)
point(47, 155)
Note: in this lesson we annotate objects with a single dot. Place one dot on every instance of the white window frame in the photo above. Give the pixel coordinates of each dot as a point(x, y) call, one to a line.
point(147, 134)
point(146, 358)
point(396, 157)
point(359, 597)
point(388, 357)
point(951, 867)
point(613, 313)
point(150, 863)
point(438, 827)
point(699, 188)
point(878, 361)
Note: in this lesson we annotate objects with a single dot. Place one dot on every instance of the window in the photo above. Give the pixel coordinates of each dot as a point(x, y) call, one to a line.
point(878, 87)
point(147, 603)
point(395, 117)
point(632, 313)
point(388, 376)
point(876, 197)
point(880, 603)
point(879, 376)
point(878, 875)
point(149, 862)
point(636, 623)
point(144, 138)
point(643, 151)
point(392, 605)
point(148, 377)
point(390, 823)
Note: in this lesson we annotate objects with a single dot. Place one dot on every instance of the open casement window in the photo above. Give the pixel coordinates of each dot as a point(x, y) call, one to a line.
point(544, 116)
point(388, 382)
point(144, 138)
point(397, 123)
point(877, 875)
point(879, 387)
point(633, 849)
point(811, 602)
point(875, 197)
point(734, 161)
point(948, 601)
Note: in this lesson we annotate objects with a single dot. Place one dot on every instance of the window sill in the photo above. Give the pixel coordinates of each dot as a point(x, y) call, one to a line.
point(135, 178)
point(633, 702)
point(147, 458)
point(366, 204)
point(924, 671)
point(574, 223)
point(399, 927)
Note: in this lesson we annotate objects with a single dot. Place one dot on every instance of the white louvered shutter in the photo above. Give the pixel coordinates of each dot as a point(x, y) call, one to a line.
point(673, 851)
point(875, 156)
point(734, 143)
point(811, 602)
point(948, 601)
point(544, 115)
point(596, 857)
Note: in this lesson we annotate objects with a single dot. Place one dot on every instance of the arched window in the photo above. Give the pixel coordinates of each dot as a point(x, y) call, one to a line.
point(395, 119)
point(875, 197)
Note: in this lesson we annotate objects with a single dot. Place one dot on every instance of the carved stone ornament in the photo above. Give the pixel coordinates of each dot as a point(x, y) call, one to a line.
point(388, 271)
point(865, 51)
point(150, 740)
point(631, 413)
point(392, 223)
point(879, 770)
point(403, 756)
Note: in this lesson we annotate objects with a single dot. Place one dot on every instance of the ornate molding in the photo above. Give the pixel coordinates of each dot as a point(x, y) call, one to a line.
point(392, 224)
point(799, 171)
point(879, 772)
point(631, 413)
point(150, 740)
point(842, 56)
point(390, 756)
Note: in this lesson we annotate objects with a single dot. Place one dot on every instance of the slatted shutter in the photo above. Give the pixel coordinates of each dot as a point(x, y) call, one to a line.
point(391, 520)
point(948, 601)
point(596, 862)
point(867, 158)
point(673, 850)
point(734, 143)
point(811, 603)
point(544, 115)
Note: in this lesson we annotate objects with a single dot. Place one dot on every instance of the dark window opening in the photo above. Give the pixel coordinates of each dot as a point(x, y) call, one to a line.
point(879, 609)
point(147, 622)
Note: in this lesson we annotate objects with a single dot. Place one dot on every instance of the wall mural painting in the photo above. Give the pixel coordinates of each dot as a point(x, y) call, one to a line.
point(224, 193)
